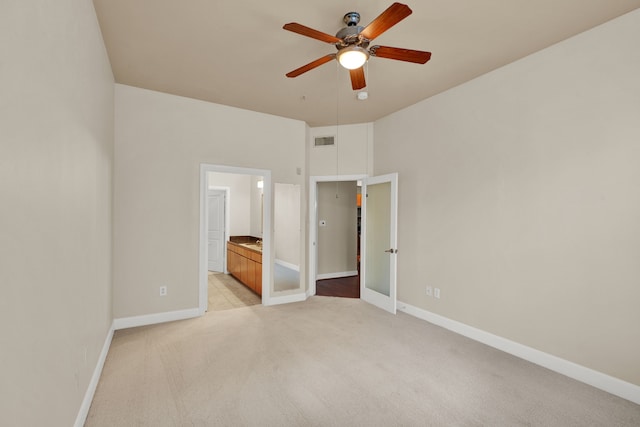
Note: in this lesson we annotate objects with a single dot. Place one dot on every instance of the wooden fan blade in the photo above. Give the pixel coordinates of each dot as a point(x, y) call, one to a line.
point(311, 65)
point(387, 19)
point(310, 32)
point(408, 55)
point(357, 78)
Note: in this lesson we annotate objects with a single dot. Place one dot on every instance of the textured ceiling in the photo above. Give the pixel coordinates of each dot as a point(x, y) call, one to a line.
point(236, 52)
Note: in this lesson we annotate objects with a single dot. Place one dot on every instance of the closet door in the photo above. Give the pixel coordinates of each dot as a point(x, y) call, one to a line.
point(379, 241)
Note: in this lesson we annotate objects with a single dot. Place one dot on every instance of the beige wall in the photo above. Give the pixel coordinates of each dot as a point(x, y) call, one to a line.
point(161, 140)
point(56, 158)
point(518, 197)
point(337, 240)
point(352, 153)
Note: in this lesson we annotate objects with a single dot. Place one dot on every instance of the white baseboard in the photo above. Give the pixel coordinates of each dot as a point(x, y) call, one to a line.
point(287, 265)
point(152, 319)
point(580, 373)
point(285, 299)
point(336, 275)
point(93, 384)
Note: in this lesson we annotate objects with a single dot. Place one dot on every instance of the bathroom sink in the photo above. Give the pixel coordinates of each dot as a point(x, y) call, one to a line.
point(252, 246)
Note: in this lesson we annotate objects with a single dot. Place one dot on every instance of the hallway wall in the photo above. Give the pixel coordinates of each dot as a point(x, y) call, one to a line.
point(56, 160)
point(338, 239)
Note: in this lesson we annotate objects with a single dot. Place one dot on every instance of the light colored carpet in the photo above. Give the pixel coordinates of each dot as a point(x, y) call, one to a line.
point(332, 362)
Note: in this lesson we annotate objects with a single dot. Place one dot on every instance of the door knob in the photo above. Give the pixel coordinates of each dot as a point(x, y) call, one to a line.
point(392, 251)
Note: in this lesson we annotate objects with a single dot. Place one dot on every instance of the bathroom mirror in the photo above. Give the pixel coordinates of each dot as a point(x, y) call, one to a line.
point(287, 233)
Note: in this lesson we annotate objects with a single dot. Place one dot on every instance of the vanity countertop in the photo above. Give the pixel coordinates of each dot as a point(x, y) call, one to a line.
point(248, 242)
point(252, 246)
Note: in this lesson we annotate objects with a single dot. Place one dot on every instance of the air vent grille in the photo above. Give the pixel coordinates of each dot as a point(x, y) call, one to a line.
point(321, 141)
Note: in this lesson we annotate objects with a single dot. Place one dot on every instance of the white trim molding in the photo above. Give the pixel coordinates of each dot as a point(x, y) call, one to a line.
point(288, 265)
point(93, 384)
point(336, 275)
point(286, 299)
point(267, 235)
point(580, 373)
point(313, 219)
point(152, 319)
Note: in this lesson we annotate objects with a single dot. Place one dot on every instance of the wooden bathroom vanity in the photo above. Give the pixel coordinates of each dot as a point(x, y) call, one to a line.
point(244, 261)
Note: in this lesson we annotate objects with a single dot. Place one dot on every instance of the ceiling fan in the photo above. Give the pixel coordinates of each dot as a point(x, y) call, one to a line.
point(352, 42)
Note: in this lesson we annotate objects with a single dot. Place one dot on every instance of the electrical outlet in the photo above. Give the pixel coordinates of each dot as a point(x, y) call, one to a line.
point(436, 292)
point(163, 291)
point(429, 291)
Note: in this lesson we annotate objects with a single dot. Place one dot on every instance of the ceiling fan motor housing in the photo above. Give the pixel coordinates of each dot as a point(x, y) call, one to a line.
point(351, 18)
point(350, 34)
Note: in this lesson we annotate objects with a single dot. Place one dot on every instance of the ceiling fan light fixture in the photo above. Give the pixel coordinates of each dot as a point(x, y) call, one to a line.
point(352, 57)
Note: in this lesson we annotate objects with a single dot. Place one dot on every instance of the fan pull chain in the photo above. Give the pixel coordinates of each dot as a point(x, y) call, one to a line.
point(337, 123)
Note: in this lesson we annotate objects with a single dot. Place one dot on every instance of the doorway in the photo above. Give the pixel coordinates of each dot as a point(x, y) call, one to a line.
point(337, 240)
point(262, 221)
point(224, 292)
point(335, 199)
point(378, 238)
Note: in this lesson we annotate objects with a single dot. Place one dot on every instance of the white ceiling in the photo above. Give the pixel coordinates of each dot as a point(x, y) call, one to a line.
point(236, 52)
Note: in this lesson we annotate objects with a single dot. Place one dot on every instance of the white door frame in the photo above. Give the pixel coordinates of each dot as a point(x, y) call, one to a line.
point(313, 222)
point(227, 224)
point(266, 231)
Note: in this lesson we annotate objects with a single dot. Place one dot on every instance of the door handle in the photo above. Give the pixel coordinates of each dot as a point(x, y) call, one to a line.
point(392, 251)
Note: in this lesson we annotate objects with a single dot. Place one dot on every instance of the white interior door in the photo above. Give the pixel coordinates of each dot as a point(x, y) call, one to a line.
point(379, 241)
point(215, 230)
